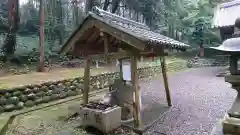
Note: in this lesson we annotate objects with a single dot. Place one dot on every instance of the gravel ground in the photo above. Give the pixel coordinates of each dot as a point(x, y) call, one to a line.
point(200, 100)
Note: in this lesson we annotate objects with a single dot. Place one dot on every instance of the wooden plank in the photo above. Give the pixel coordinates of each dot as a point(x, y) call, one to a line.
point(71, 41)
point(136, 106)
point(106, 45)
point(121, 54)
point(121, 35)
point(86, 78)
point(165, 79)
point(121, 70)
point(94, 34)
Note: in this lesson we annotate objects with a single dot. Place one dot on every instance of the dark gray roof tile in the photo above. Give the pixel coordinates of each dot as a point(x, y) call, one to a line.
point(135, 29)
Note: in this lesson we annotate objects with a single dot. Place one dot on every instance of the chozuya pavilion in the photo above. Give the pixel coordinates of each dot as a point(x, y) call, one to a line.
point(102, 32)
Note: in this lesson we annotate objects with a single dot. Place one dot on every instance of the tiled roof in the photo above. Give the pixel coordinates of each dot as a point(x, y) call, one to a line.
point(226, 14)
point(136, 29)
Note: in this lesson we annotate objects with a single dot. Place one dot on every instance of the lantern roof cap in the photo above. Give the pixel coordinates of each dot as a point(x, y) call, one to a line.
point(229, 45)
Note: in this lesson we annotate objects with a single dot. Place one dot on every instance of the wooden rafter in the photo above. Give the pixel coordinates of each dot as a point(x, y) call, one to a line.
point(136, 43)
point(88, 24)
point(106, 45)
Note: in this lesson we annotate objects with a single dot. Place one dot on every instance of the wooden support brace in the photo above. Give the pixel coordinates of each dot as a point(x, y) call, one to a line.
point(138, 122)
point(86, 78)
point(106, 43)
point(121, 68)
point(165, 79)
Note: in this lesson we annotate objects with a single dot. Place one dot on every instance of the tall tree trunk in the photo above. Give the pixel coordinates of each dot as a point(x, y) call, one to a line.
point(201, 52)
point(60, 22)
point(130, 13)
point(115, 4)
point(13, 21)
point(41, 37)
point(76, 16)
point(123, 9)
point(88, 5)
point(106, 4)
point(137, 16)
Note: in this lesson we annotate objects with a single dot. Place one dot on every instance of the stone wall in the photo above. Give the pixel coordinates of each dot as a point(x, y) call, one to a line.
point(207, 62)
point(31, 95)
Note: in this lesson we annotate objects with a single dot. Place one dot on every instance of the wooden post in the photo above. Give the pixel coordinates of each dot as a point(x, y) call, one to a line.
point(165, 79)
point(86, 78)
point(141, 58)
point(121, 70)
point(105, 37)
point(41, 38)
point(134, 80)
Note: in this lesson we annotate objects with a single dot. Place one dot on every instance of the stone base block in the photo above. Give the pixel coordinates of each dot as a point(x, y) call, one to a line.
point(105, 120)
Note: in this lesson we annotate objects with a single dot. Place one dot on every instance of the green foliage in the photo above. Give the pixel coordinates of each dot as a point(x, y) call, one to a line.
point(184, 20)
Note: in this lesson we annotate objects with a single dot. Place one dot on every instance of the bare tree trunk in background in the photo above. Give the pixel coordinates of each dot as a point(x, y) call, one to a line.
point(88, 6)
point(13, 21)
point(137, 16)
point(76, 15)
point(60, 23)
point(41, 37)
point(201, 53)
point(124, 8)
point(115, 4)
point(130, 13)
point(106, 4)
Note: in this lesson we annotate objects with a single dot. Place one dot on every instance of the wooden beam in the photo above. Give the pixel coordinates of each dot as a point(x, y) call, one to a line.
point(165, 79)
point(106, 44)
point(121, 70)
point(136, 106)
point(88, 23)
point(86, 78)
point(94, 35)
point(121, 35)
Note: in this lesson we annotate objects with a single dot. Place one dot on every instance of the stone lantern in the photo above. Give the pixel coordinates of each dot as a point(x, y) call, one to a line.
point(231, 46)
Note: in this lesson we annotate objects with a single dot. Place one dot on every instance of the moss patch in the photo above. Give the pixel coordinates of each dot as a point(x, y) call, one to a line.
point(51, 118)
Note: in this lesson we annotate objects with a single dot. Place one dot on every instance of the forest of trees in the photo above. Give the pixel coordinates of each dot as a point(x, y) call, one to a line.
point(186, 20)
